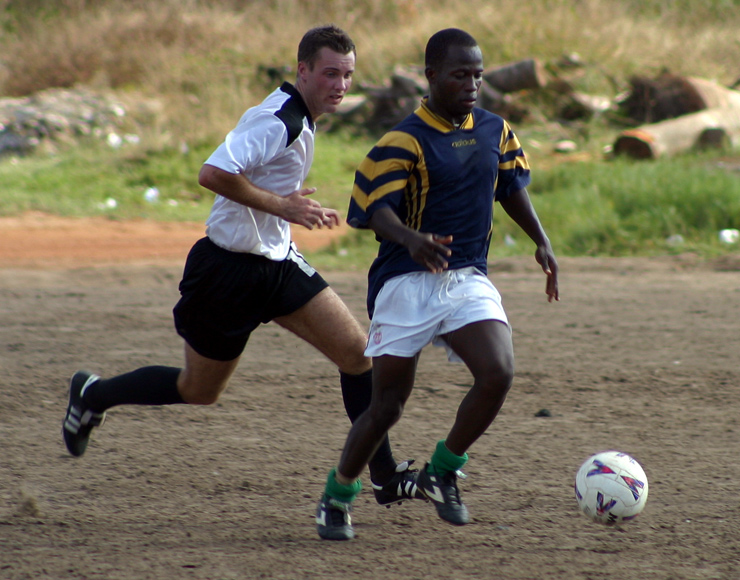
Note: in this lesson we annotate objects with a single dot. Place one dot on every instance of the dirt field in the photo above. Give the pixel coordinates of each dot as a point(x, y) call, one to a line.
point(640, 355)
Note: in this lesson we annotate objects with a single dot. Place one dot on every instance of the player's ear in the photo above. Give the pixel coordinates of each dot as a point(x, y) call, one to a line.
point(302, 70)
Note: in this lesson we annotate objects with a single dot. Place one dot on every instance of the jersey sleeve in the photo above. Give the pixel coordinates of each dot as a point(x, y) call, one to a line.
point(255, 141)
point(382, 177)
point(513, 167)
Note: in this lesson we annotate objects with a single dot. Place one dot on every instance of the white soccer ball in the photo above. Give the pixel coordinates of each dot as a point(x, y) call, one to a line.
point(611, 487)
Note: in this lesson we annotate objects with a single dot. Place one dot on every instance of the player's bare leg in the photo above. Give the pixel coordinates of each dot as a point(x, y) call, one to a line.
point(203, 379)
point(393, 381)
point(367, 433)
point(487, 350)
point(326, 323)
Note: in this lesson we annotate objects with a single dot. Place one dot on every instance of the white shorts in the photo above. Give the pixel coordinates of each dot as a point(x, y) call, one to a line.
point(413, 310)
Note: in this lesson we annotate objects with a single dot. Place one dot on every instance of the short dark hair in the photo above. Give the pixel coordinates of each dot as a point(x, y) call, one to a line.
point(328, 36)
point(441, 41)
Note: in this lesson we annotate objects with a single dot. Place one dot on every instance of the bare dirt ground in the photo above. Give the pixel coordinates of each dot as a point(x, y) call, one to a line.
point(641, 355)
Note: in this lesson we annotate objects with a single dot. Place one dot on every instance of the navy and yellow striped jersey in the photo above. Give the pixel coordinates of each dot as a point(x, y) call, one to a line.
point(440, 180)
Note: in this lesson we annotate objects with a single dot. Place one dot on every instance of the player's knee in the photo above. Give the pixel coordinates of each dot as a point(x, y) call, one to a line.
point(497, 376)
point(353, 360)
point(385, 415)
point(506, 372)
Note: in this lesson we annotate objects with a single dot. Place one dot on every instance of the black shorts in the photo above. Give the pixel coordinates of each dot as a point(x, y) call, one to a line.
point(226, 295)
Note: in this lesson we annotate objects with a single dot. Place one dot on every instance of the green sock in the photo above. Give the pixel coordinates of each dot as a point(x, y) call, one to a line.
point(444, 460)
point(345, 493)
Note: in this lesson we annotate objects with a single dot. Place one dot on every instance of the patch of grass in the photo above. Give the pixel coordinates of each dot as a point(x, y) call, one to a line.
point(336, 158)
point(82, 182)
point(79, 181)
point(353, 252)
point(596, 208)
point(635, 208)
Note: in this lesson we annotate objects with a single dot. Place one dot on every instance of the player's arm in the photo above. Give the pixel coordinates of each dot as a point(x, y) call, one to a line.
point(520, 209)
point(429, 250)
point(295, 208)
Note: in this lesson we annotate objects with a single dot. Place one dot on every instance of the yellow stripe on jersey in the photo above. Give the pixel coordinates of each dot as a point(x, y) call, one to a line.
point(370, 169)
point(514, 163)
point(364, 200)
point(416, 195)
point(509, 146)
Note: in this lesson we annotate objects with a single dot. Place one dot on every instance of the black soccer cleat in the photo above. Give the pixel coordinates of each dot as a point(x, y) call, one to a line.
point(333, 520)
point(80, 420)
point(400, 487)
point(443, 493)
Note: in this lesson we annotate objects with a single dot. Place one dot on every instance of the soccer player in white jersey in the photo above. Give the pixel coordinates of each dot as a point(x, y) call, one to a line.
point(246, 271)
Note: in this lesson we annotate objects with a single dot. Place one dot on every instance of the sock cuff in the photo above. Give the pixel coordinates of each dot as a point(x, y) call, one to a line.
point(444, 460)
point(348, 376)
point(345, 493)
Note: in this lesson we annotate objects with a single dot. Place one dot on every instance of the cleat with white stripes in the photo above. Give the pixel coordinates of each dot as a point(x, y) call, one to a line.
point(333, 520)
point(401, 486)
point(80, 420)
point(442, 491)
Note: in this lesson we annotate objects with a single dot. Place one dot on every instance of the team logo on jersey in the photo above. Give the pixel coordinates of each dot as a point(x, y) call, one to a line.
point(464, 143)
point(377, 337)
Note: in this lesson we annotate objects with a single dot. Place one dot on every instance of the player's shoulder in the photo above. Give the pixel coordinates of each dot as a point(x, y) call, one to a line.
point(406, 133)
point(484, 116)
point(397, 144)
point(293, 112)
point(284, 109)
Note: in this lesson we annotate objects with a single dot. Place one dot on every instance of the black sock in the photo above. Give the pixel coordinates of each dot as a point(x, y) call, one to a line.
point(357, 391)
point(155, 385)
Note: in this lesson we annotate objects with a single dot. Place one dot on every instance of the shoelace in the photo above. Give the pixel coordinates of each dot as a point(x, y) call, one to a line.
point(450, 480)
point(338, 512)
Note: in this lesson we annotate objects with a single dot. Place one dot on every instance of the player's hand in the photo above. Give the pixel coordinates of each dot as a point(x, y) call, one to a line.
point(330, 219)
point(298, 208)
point(546, 259)
point(430, 250)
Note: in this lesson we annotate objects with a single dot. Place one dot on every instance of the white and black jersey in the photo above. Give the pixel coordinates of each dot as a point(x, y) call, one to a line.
point(272, 146)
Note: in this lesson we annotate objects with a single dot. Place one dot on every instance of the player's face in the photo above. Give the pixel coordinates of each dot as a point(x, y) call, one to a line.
point(454, 85)
point(323, 87)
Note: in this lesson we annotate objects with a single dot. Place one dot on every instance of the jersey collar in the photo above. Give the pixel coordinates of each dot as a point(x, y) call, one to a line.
point(440, 123)
point(288, 88)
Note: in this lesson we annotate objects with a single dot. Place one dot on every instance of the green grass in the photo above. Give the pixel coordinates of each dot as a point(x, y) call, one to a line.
point(335, 160)
point(80, 182)
point(611, 208)
point(624, 207)
point(595, 208)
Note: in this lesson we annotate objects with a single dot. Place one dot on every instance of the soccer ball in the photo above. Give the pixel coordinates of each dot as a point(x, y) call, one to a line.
point(611, 487)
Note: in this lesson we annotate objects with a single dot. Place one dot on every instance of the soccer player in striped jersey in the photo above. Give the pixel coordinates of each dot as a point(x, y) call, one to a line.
point(427, 190)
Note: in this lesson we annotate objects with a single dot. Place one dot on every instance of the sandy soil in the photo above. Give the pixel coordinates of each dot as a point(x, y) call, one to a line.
point(40, 240)
point(640, 355)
